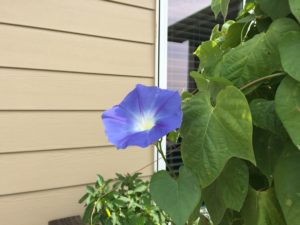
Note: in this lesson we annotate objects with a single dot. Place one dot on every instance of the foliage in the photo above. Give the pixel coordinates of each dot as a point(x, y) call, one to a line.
point(123, 201)
point(240, 135)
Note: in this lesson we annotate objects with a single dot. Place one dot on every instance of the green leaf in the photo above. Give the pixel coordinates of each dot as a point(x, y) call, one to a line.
point(295, 8)
point(287, 184)
point(87, 213)
point(173, 136)
point(289, 47)
point(229, 190)
point(212, 84)
point(90, 189)
point(264, 116)
point(246, 11)
point(177, 198)
point(218, 6)
point(267, 147)
point(137, 220)
point(255, 58)
point(278, 29)
point(262, 208)
point(83, 198)
point(214, 134)
point(274, 8)
point(242, 64)
point(100, 180)
point(233, 36)
point(217, 35)
point(287, 104)
point(209, 54)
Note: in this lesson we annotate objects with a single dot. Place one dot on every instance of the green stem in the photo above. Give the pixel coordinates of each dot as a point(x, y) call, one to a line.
point(159, 149)
point(262, 79)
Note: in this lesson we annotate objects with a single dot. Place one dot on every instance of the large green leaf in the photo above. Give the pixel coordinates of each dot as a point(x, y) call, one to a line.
point(289, 48)
point(255, 58)
point(287, 103)
point(287, 184)
point(212, 134)
point(274, 8)
point(262, 208)
point(278, 29)
point(229, 190)
point(264, 116)
point(267, 147)
point(243, 64)
point(177, 198)
point(295, 8)
point(218, 6)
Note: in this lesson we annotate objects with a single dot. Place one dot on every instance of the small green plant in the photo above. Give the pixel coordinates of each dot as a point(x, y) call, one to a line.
point(125, 200)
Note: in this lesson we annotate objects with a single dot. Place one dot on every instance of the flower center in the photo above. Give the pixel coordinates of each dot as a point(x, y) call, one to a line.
point(145, 123)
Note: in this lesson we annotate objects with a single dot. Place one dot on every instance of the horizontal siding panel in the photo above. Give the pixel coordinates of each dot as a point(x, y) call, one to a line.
point(150, 4)
point(94, 17)
point(54, 169)
point(42, 49)
point(37, 208)
point(30, 131)
point(40, 207)
point(42, 90)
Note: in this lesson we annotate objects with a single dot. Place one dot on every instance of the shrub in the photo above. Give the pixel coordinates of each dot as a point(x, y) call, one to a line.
point(123, 201)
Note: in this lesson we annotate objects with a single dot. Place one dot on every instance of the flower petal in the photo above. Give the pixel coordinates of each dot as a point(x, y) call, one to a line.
point(142, 105)
point(116, 123)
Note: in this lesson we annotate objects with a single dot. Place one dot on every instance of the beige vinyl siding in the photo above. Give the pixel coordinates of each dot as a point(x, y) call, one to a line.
point(149, 4)
point(45, 130)
point(41, 90)
point(34, 208)
point(99, 18)
point(23, 47)
point(62, 63)
point(62, 168)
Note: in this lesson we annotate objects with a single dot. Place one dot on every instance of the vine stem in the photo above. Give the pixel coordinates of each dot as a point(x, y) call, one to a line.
point(261, 79)
point(159, 149)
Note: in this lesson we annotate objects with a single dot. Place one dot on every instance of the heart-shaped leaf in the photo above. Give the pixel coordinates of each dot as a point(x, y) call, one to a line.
point(179, 197)
point(287, 105)
point(262, 208)
point(228, 191)
point(289, 53)
point(287, 184)
point(214, 134)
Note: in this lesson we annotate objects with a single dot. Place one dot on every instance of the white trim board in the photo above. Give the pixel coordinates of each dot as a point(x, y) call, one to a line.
point(161, 47)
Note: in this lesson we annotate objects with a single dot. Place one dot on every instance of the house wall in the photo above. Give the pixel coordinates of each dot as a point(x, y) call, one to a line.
point(62, 63)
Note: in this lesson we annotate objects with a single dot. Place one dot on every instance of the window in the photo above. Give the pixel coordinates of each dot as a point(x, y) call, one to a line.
point(183, 25)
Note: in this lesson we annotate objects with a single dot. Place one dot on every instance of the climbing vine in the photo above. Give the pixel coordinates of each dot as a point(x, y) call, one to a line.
point(241, 128)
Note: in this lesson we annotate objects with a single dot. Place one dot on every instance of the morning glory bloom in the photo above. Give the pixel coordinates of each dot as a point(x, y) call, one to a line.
point(144, 116)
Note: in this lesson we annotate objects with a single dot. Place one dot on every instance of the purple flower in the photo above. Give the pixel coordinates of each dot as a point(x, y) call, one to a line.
point(144, 116)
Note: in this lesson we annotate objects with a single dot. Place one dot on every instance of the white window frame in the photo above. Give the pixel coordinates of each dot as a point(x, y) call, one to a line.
point(161, 48)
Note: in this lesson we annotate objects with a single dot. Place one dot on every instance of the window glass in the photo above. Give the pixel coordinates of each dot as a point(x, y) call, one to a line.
point(190, 22)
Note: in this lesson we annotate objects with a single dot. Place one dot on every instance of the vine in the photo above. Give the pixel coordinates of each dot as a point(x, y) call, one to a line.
point(241, 129)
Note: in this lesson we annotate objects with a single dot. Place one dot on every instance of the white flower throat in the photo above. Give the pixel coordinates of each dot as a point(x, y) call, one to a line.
point(144, 123)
